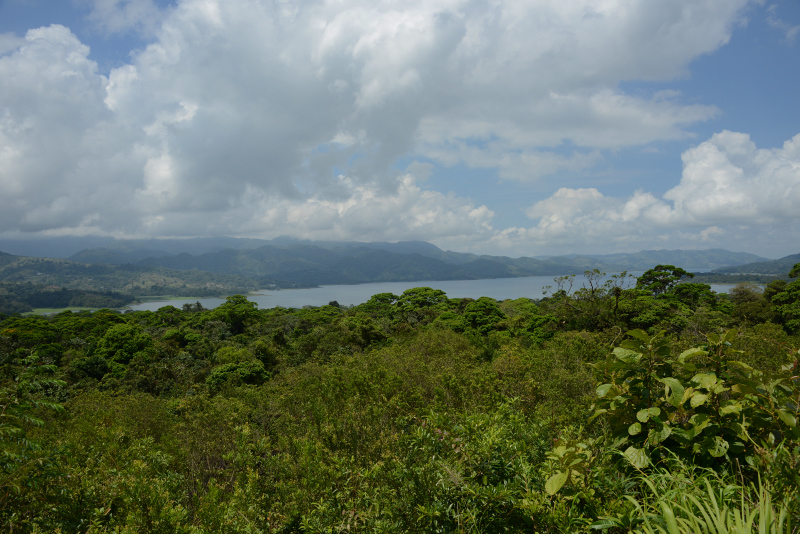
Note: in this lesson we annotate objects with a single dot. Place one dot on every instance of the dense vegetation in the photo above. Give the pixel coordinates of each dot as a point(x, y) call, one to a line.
point(19, 273)
point(24, 297)
point(652, 407)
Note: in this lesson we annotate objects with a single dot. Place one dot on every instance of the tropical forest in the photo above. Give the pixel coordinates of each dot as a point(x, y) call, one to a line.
point(612, 404)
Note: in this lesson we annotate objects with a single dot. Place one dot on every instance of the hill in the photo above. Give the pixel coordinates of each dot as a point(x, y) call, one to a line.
point(779, 267)
point(691, 260)
point(126, 279)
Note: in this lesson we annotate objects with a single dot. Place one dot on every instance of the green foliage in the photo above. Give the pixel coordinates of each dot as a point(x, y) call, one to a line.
point(708, 504)
point(24, 467)
point(661, 278)
point(122, 342)
point(237, 312)
point(248, 372)
point(702, 405)
point(416, 413)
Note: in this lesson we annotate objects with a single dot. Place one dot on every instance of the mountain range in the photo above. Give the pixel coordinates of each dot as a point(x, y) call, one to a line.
point(295, 263)
point(224, 266)
point(288, 262)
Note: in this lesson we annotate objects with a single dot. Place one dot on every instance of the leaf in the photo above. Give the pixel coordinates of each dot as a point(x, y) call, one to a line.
point(637, 457)
point(741, 431)
point(634, 429)
point(627, 355)
point(604, 390)
point(705, 380)
point(699, 421)
point(698, 399)
point(556, 482)
point(719, 448)
point(744, 389)
point(730, 335)
point(691, 353)
point(740, 365)
point(654, 437)
point(644, 415)
point(675, 390)
point(641, 335)
point(730, 407)
point(681, 435)
point(787, 418)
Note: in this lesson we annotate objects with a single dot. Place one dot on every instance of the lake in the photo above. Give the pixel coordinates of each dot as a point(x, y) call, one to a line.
point(497, 288)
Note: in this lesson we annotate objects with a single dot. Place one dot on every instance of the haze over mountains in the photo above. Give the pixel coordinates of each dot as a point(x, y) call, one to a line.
point(126, 269)
point(288, 262)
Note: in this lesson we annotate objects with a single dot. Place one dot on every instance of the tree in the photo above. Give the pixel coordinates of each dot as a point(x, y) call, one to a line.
point(661, 279)
point(121, 342)
point(484, 315)
point(787, 301)
point(237, 312)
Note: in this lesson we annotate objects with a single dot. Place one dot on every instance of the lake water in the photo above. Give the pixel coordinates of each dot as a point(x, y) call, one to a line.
point(498, 288)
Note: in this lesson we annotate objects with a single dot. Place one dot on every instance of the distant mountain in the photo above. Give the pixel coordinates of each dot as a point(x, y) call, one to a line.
point(127, 279)
point(779, 267)
point(306, 265)
point(65, 247)
point(691, 260)
point(116, 257)
point(208, 265)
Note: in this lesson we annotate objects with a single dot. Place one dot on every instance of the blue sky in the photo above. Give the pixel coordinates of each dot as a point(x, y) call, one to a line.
point(507, 127)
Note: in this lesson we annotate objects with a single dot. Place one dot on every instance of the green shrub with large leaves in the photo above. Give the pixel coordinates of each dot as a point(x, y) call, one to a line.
point(703, 404)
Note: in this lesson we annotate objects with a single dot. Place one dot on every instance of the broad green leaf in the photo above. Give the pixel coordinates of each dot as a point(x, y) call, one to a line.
point(644, 415)
point(675, 390)
point(627, 355)
point(713, 339)
point(740, 430)
point(634, 429)
point(730, 407)
point(637, 457)
point(691, 353)
point(740, 365)
point(656, 436)
point(556, 482)
point(719, 447)
point(604, 390)
point(698, 399)
point(681, 435)
point(704, 380)
point(744, 389)
point(718, 388)
point(699, 421)
point(687, 394)
point(787, 418)
point(641, 335)
point(730, 335)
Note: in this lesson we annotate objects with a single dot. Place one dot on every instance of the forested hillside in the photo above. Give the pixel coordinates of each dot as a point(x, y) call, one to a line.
point(122, 283)
point(646, 406)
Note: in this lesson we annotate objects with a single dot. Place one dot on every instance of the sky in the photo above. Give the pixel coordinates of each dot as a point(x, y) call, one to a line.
point(517, 128)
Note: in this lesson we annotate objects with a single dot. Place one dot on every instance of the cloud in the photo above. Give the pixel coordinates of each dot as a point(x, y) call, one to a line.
point(729, 190)
point(123, 16)
point(789, 32)
point(248, 117)
point(9, 42)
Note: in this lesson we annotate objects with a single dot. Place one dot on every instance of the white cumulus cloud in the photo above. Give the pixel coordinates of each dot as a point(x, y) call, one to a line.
point(267, 117)
point(729, 190)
